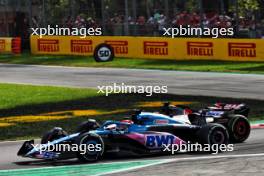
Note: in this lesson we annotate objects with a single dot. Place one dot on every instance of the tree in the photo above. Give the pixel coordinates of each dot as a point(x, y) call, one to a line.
point(56, 11)
point(246, 7)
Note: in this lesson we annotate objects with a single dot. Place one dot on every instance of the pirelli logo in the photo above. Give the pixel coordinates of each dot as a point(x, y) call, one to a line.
point(242, 50)
point(48, 45)
point(200, 49)
point(156, 48)
point(120, 47)
point(2, 45)
point(81, 46)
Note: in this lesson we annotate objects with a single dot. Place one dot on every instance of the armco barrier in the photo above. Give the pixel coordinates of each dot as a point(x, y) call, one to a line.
point(10, 45)
point(154, 47)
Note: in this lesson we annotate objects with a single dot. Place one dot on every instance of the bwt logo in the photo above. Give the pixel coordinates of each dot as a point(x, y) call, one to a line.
point(158, 141)
point(47, 45)
point(242, 49)
point(120, 47)
point(200, 49)
point(81, 46)
point(156, 48)
point(2, 45)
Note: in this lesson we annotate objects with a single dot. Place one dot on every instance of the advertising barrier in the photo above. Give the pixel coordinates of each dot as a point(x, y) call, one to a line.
point(10, 45)
point(154, 47)
point(5, 45)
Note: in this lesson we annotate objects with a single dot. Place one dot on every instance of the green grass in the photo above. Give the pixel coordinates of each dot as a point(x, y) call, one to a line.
point(12, 95)
point(195, 65)
point(18, 100)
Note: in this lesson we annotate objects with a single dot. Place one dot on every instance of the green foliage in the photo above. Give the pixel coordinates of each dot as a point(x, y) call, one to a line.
point(56, 11)
point(192, 5)
point(246, 7)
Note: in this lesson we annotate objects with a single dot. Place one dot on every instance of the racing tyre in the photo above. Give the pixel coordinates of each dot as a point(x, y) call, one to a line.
point(91, 147)
point(239, 128)
point(53, 134)
point(213, 134)
point(88, 125)
point(103, 53)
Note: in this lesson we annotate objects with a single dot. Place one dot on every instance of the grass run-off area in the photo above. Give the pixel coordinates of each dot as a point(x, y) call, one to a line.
point(194, 65)
point(28, 111)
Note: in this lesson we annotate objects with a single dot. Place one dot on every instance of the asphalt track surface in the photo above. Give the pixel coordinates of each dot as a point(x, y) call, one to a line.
point(254, 145)
point(178, 82)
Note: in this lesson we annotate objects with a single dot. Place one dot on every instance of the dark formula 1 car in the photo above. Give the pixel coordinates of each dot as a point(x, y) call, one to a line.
point(145, 133)
point(232, 116)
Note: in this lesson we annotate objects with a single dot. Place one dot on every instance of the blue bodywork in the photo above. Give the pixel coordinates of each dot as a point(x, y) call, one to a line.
point(147, 119)
point(114, 128)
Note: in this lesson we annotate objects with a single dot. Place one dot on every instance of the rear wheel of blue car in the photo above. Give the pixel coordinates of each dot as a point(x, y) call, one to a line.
point(239, 128)
point(91, 147)
point(213, 135)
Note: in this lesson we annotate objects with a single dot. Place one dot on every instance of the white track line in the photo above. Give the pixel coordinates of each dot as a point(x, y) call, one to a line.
point(93, 164)
point(17, 141)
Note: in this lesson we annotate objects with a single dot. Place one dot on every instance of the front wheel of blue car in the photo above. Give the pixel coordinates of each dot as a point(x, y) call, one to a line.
point(53, 134)
point(90, 147)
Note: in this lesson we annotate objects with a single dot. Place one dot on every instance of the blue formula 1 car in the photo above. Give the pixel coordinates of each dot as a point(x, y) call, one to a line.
point(144, 133)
